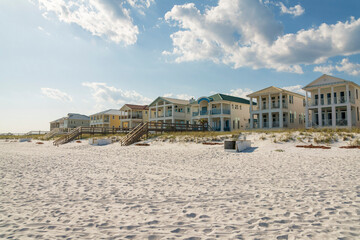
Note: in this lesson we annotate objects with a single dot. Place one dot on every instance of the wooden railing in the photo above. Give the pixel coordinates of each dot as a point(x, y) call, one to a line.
point(133, 136)
point(51, 133)
point(68, 137)
point(177, 127)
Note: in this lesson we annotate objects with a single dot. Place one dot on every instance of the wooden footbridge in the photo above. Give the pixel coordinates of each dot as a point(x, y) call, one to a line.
point(134, 134)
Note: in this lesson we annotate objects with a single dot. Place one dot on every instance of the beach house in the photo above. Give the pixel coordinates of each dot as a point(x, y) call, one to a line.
point(72, 120)
point(110, 118)
point(221, 112)
point(277, 108)
point(169, 110)
point(334, 103)
point(132, 115)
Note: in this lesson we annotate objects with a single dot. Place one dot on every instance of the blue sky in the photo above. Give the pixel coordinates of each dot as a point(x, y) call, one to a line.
point(61, 56)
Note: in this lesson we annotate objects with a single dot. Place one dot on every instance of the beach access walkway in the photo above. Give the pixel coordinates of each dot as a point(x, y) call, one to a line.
point(134, 134)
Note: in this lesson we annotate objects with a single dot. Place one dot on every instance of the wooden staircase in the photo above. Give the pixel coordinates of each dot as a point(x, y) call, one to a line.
point(51, 134)
point(68, 137)
point(135, 134)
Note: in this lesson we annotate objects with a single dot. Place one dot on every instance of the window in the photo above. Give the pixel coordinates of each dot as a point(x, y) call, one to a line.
point(240, 107)
point(233, 124)
point(357, 94)
point(236, 107)
point(291, 99)
point(113, 117)
point(304, 103)
point(119, 117)
point(291, 118)
point(188, 110)
point(232, 105)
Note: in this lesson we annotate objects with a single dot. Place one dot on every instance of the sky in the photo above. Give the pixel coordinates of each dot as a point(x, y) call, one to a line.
point(86, 56)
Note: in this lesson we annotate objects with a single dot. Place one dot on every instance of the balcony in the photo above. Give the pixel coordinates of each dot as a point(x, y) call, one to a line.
point(215, 111)
point(226, 111)
point(204, 112)
point(195, 114)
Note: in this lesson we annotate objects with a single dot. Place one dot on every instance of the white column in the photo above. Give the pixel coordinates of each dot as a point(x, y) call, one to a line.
point(222, 123)
point(221, 108)
point(281, 122)
point(251, 105)
point(319, 99)
point(333, 109)
point(270, 119)
point(260, 120)
point(347, 94)
point(349, 117)
point(173, 113)
point(157, 112)
point(269, 102)
point(306, 110)
point(251, 120)
point(260, 103)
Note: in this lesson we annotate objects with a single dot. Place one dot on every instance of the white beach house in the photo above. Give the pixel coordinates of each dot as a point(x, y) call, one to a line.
point(169, 110)
point(72, 120)
point(334, 103)
point(221, 112)
point(277, 108)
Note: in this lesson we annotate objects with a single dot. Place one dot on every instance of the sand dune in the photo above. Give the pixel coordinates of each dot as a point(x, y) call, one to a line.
point(178, 191)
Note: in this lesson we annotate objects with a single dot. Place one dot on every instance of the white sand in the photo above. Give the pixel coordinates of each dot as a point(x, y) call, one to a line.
point(171, 191)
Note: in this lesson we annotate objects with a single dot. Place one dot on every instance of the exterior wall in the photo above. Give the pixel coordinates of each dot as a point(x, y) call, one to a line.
point(271, 112)
point(341, 98)
point(74, 123)
point(131, 118)
point(105, 120)
point(173, 113)
point(221, 115)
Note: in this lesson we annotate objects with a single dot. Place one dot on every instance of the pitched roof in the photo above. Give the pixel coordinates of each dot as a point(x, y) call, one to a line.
point(109, 112)
point(325, 79)
point(78, 116)
point(220, 96)
point(171, 100)
point(272, 89)
point(137, 107)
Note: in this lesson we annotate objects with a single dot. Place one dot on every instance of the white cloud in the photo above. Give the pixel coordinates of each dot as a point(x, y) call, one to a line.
point(240, 92)
point(103, 18)
point(296, 89)
point(344, 66)
point(233, 33)
point(348, 67)
point(296, 11)
point(324, 69)
point(183, 96)
point(110, 97)
point(56, 94)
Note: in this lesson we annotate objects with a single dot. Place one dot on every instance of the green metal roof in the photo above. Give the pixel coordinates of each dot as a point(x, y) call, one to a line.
point(219, 96)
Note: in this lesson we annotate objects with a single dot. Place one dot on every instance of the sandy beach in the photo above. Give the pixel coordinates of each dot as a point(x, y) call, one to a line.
point(178, 191)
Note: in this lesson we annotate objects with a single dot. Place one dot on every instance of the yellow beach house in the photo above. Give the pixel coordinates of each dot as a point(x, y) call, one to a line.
point(277, 108)
point(132, 115)
point(335, 103)
point(110, 118)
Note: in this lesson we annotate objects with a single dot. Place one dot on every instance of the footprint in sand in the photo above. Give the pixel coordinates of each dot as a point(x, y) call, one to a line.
point(178, 230)
point(191, 215)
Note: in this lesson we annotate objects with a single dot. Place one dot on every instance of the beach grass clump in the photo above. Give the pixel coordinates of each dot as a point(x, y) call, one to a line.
point(326, 137)
point(355, 142)
point(287, 137)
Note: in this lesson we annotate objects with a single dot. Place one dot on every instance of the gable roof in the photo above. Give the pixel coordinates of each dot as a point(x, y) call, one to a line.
point(171, 100)
point(325, 79)
point(273, 89)
point(109, 112)
point(220, 96)
point(136, 107)
point(78, 116)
